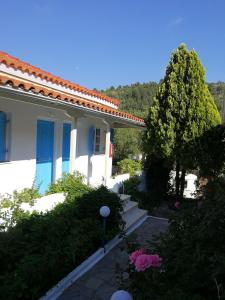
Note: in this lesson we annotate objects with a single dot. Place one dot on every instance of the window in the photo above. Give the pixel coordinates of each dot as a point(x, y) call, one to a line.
point(99, 141)
point(3, 136)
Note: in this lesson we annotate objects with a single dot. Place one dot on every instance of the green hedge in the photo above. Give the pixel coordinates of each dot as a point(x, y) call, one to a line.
point(40, 250)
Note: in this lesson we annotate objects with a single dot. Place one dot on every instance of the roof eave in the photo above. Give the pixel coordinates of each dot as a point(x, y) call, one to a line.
point(120, 122)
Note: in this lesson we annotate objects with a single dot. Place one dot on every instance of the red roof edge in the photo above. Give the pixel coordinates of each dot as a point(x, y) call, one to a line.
point(37, 89)
point(17, 64)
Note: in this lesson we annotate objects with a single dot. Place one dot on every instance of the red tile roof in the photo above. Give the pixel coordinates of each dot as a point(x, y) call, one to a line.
point(29, 86)
point(17, 64)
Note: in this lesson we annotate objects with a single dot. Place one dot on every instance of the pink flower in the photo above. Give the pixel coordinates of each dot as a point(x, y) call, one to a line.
point(145, 261)
point(133, 256)
point(156, 260)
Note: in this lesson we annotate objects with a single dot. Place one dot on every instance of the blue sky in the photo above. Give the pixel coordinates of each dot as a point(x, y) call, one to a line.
point(100, 43)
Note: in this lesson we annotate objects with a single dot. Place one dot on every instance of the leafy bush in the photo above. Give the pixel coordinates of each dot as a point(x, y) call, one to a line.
point(130, 166)
point(10, 209)
point(157, 178)
point(192, 254)
point(130, 186)
point(71, 184)
point(211, 151)
point(41, 249)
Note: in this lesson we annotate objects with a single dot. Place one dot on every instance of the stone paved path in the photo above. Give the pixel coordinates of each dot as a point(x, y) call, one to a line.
point(100, 282)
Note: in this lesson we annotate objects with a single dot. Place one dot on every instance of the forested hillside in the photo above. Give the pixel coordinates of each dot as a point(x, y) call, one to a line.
point(136, 99)
point(218, 92)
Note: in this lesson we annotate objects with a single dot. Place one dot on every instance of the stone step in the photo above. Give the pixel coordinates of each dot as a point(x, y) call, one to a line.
point(124, 197)
point(128, 205)
point(133, 216)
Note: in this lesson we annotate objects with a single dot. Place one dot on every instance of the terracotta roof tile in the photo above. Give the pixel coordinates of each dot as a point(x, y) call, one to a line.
point(18, 83)
point(17, 64)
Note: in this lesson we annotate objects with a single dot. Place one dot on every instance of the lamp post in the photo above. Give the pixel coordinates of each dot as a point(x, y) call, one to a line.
point(104, 212)
point(121, 295)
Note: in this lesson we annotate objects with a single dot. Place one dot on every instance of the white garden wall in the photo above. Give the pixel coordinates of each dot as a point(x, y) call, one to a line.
point(116, 182)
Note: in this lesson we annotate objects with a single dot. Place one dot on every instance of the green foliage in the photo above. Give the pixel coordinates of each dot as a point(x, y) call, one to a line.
point(211, 152)
point(135, 99)
point(10, 210)
point(71, 184)
point(40, 250)
point(183, 108)
point(182, 111)
point(127, 143)
point(217, 90)
point(129, 166)
point(157, 179)
point(93, 201)
point(192, 253)
point(130, 186)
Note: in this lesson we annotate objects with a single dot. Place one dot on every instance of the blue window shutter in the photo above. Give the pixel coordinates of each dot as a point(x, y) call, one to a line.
point(66, 148)
point(91, 140)
point(3, 122)
point(66, 141)
point(112, 134)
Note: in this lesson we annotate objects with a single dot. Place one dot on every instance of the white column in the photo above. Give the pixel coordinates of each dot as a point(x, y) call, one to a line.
point(73, 145)
point(107, 158)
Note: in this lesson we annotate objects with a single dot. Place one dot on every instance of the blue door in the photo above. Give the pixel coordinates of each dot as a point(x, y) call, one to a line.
point(66, 148)
point(44, 154)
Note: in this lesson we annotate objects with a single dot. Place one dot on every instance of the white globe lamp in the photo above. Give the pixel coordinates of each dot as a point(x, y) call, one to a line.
point(121, 295)
point(104, 211)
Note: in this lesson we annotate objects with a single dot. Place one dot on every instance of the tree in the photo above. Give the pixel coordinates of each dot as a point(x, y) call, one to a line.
point(126, 143)
point(211, 152)
point(182, 111)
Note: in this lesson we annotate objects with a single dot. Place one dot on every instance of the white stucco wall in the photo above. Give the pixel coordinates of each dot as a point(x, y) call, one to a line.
point(19, 171)
point(92, 167)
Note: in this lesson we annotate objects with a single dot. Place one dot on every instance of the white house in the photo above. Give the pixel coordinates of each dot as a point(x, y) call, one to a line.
point(49, 125)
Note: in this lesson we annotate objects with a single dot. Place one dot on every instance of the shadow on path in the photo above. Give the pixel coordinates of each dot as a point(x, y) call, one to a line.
point(100, 282)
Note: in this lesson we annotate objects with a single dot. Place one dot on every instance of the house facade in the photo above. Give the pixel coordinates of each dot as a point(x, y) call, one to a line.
point(49, 125)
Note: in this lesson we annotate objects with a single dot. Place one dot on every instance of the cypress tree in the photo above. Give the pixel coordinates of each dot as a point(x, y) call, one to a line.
point(182, 111)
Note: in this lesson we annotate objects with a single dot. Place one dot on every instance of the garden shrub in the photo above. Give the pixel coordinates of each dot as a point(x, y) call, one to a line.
point(130, 166)
point(193, 265)
point(157, 178)
point(41, 249)
point(93, 201)
point(71, 184)
point(210, 154)
point(10, 210)
point(130, 186)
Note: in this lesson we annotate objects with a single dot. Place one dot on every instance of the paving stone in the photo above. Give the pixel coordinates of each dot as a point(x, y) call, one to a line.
point(100, 282)
point(94, 283)
point(104, 292)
